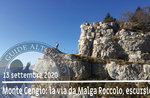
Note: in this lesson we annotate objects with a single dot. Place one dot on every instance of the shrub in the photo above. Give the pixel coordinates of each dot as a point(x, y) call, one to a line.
point(138, 21)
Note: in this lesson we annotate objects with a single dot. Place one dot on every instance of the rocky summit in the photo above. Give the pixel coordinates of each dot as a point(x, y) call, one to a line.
point(106, 40)
point(105, 52)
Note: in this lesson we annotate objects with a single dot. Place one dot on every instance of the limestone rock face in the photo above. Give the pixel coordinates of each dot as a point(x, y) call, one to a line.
point(126, 72)
point(103, 50)
point(93, 35)
point(106, 45)
point(134, 44)
point(105, 41)
point(65, 64)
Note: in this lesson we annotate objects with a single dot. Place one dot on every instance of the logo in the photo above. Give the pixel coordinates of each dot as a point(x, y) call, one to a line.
point(15, 67)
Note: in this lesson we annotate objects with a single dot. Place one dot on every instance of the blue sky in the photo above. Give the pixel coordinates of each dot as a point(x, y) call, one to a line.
point(53, 21)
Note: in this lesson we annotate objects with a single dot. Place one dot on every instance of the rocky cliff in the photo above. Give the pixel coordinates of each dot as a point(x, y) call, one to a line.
point(107, 41)
point(104, 51)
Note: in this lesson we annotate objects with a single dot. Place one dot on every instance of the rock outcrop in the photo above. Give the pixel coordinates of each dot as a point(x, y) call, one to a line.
point(128, 71)
point(102, 46)
point(66, 65)
point(105, 41)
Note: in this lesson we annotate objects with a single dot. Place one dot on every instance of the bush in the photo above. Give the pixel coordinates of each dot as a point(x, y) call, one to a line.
point(138, 21)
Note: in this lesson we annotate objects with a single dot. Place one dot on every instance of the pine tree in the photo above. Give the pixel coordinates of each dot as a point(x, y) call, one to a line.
point(109, 18)
point(137, 16)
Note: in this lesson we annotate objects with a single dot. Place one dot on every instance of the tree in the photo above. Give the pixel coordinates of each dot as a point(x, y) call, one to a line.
point(109, 18)
point(125, 16)
point(138, 16)
point(146, 11)
point(137, 21)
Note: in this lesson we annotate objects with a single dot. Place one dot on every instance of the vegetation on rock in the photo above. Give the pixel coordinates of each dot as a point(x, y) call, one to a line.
point(109, 18)
point(136, 21)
